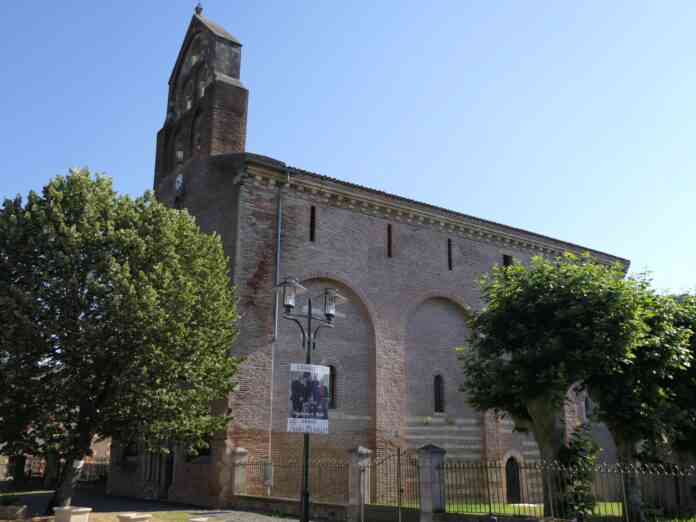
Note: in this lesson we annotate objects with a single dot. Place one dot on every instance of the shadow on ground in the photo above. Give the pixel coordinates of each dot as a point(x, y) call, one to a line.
point(94, 496)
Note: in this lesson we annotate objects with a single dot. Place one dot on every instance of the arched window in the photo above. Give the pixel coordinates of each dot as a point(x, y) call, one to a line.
point(512, 481)
point(332, 387)
point(439, 386)
point(588, 407)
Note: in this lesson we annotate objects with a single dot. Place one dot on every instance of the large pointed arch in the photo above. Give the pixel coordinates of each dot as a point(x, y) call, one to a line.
point(349, 348)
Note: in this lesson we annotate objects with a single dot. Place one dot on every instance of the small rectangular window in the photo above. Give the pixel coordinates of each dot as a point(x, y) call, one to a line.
point(332, 387)
point(439, 394)
point(312, 223)
point(389, 240)
point(449, 254)
point(507, 260)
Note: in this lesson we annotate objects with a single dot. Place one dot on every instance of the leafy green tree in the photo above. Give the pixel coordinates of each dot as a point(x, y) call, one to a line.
point(541, 329)
point(577, 462)
point(682, 415)
point(575, 322)
point(634, 394)
point(116, 320)
point(636, 397)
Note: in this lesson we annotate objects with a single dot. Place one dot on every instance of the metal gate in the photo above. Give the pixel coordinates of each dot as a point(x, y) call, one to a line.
point(392, 481)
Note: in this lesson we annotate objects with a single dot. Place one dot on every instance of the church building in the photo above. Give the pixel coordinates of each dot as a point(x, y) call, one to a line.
point(408, 272)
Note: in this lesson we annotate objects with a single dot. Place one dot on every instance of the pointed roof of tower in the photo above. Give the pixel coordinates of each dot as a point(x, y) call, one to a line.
point(214, 28)
point(198, 20)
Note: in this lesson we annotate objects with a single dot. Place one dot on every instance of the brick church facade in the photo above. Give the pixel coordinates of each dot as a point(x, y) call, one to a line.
point(407, 269)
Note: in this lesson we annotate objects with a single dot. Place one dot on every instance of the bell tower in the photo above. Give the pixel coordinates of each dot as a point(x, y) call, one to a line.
point(207, 103)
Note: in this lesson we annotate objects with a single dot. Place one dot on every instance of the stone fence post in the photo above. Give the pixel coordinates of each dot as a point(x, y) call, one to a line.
point(240, 457)
point(358, 483)
point(432, 486)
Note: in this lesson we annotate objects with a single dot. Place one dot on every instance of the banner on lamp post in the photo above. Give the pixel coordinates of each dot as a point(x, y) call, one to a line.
point(308, 399)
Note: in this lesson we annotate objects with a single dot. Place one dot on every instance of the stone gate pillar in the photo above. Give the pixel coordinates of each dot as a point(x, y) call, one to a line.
point(358, 482)
point(240, 457)
point(432, 486)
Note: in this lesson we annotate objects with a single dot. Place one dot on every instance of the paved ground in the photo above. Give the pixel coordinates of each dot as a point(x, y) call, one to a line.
point(100, 503)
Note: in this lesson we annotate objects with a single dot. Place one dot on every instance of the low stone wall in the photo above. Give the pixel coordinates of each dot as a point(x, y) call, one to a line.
point(389, 514)
point(340, 513)
point(458, 517)
point(288, 507)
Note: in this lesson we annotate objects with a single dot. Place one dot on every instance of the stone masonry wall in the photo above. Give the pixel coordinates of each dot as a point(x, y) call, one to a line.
point(403, 318)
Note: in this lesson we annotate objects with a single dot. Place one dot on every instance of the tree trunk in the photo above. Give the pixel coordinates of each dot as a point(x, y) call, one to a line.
point(51, 470)
point(17, 463)
point(66, 484)
point(549, 434)
point(631, 481)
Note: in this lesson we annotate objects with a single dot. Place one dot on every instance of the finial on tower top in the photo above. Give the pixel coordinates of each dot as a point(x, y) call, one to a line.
point(199, 8)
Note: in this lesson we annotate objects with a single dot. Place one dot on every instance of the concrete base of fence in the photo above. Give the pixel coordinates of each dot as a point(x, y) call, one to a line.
point(279, 506)
point(389, 514)
point(458, 517)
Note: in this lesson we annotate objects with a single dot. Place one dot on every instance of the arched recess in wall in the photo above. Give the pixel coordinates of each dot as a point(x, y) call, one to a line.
point(178, 154)
point(349, 347)
point(434, 328)
point(196, 134)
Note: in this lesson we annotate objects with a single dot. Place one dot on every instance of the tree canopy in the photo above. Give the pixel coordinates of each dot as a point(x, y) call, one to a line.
point(636, 396)
point(683, 413)
point(569, 322)
point(117, 318)
point(573, 323)
point(541, 328)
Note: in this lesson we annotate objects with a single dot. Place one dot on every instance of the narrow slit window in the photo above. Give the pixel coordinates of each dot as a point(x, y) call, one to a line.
point(439, 386)
point(332, 387)
point(312, 223)
point(507, 260)
point(389, 240)
point(449, 254)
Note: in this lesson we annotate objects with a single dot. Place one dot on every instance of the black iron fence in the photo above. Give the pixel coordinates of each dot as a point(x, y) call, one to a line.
point(328, 480)
point(93, 470)
point(393, 479)
point(551, 490)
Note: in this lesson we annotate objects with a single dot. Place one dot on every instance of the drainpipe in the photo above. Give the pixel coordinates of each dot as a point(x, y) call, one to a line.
point(276, 303)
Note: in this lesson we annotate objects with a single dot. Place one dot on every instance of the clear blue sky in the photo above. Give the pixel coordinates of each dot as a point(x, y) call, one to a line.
point(575, 120)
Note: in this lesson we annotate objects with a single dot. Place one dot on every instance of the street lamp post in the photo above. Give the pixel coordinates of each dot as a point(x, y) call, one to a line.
point(290, 289)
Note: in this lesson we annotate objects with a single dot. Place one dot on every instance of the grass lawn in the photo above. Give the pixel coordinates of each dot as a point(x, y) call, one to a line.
point(602, 509)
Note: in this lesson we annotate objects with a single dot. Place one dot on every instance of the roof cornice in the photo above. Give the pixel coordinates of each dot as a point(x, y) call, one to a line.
point(269, 172)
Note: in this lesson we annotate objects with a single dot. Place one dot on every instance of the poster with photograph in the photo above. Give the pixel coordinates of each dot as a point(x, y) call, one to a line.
point(308, 399)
